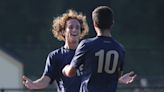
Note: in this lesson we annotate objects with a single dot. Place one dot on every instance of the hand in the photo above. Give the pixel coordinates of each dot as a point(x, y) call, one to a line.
point(127, 78)
point(28, 83)
point(69, 71)
point(65, 70)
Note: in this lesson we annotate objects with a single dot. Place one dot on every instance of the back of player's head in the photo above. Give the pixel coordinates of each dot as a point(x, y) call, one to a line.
point(103, 17)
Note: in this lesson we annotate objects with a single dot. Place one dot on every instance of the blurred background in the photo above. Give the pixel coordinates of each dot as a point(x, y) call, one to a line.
point(26, 38)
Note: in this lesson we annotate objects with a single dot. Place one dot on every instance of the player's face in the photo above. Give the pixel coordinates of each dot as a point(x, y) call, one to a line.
point(72, 30)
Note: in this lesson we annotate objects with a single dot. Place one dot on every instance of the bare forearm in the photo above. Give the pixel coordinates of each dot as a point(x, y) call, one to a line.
point(41, 83)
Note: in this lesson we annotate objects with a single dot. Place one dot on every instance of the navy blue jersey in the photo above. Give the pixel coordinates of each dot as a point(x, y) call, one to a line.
point(103, 59)
point(56, 60)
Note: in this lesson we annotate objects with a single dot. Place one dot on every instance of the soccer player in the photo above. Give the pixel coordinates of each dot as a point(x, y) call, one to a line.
point(102, 57)
point(70, 28)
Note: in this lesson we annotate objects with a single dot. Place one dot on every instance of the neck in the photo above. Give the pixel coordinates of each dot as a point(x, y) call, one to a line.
point(106, 32)
point(71, 45)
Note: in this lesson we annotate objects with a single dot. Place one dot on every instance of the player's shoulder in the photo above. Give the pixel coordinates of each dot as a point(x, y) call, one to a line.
point(88, 40)
point(119, 44)
point(122, 47)
point(55, 52)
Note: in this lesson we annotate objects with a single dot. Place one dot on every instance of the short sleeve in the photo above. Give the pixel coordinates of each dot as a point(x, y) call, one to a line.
point(79, 56)
point(50, 69)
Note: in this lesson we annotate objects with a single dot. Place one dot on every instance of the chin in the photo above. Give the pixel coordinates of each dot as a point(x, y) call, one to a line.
point(74, 40)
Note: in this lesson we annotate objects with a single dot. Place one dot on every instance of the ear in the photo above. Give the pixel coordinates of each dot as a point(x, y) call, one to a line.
point(95, 24)
point(63, 32)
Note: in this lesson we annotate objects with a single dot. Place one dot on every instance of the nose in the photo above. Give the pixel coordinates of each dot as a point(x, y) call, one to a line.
point(75, 29)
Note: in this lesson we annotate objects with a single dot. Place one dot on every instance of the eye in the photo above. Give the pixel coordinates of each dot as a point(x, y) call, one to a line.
point(70, 27)
point(77, 27)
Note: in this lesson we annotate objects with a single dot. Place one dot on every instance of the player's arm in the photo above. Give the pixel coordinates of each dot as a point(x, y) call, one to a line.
point(69, 71)
point(40, 83)
point(127, 78)
point(78, 59)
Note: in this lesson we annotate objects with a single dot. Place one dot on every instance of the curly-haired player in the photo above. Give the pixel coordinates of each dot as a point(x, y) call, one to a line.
point(70, 27)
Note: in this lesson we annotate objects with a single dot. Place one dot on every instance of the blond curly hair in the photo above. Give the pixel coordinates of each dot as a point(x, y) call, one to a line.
point(59, 24)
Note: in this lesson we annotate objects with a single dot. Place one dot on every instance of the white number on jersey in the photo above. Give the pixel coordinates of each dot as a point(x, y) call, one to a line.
point(107, 61)
point(80, 70)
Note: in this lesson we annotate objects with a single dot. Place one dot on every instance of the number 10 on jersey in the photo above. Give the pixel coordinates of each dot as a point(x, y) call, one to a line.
point(104, 63)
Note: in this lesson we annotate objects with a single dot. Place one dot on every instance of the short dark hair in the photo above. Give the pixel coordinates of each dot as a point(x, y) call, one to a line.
point(103, 17)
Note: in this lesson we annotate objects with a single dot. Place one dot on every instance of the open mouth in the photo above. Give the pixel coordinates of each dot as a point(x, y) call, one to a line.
point(74, 34)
